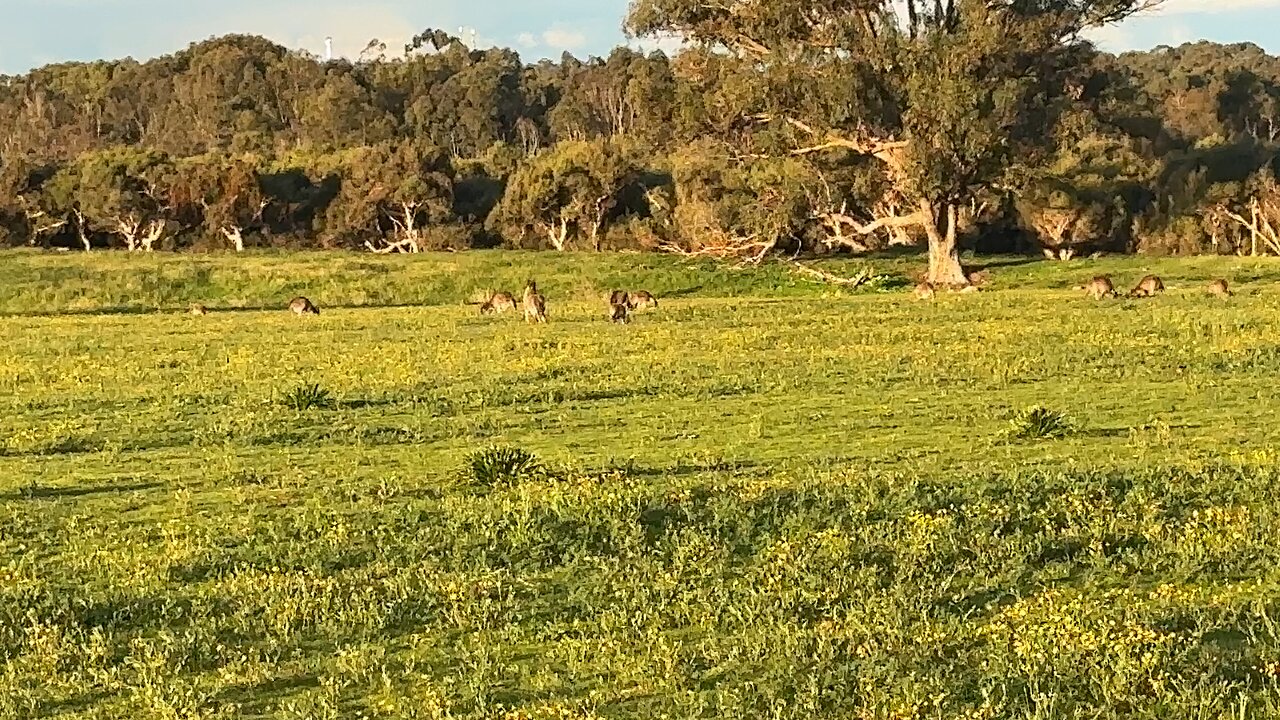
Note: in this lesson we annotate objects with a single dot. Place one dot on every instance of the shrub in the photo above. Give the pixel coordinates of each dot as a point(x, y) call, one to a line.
point(306, 397)
point(499, 466)
point(1039, 423)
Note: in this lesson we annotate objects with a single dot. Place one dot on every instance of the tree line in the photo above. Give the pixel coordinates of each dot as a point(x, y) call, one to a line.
point(990, 125)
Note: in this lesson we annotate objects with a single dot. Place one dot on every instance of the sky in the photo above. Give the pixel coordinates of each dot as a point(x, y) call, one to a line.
point(38, 32)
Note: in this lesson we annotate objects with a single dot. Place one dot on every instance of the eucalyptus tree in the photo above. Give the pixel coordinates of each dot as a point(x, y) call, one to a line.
point(948, 96)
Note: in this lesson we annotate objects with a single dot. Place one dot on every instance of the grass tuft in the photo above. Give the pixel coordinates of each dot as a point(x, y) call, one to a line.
point(499, 466)
point(307, 397)
point(1040, 423)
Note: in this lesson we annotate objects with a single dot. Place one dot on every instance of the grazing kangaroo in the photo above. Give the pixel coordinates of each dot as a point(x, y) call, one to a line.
point(498, 303)
point(1218, 288)
point(643, 300)
point(1099, 287)
point(535, 306)
point(303, 306)
point(198, 310)
point(619, 297)
point(1149, 286)
point(924, 291)
point(618, 313)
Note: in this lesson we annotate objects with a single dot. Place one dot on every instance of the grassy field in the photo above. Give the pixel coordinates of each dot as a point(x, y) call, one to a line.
point(767, 499)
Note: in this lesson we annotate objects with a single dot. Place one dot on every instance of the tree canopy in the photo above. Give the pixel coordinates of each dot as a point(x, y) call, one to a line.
point(841, 125)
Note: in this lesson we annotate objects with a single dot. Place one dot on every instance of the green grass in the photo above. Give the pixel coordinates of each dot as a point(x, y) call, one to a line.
point(34, 283)
point(766, 499)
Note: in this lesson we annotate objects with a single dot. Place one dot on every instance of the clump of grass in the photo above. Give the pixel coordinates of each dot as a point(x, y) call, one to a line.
point(499, 466)
point(1040, 423)
point(307, 397)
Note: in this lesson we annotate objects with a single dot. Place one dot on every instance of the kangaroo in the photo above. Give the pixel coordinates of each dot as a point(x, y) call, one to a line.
point(303, 306)
point(1099, 287)
point(619, 304)
point(535, 306)
point(1218, 288)
point(498, 303)
point(618, 313)
point(643, 300)
point(198, 310)
point(1149, 286)
point(924, 291)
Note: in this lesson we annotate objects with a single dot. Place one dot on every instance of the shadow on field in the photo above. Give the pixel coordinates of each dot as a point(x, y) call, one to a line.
point(1106, 432)
point(979, 266)
point(260, 698)
point(58, 493)
point(213, 309)
point(363, 403)
point(109, 310)
point(681, 469)
point(76, 704)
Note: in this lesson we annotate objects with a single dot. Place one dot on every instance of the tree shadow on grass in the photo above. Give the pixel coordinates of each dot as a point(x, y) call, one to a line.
point(261, 698)
point(979, 265)
point(107, 310)
point(61, 493)
point(76, 704)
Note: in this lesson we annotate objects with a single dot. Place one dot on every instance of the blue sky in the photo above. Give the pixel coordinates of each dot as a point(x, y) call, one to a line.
point(35, 32)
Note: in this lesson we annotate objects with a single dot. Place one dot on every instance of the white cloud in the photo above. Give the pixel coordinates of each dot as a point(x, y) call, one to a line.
point(1176, 34)
point(350, 25)
point(560, 38)
point(1112, 38)
point(527, 40)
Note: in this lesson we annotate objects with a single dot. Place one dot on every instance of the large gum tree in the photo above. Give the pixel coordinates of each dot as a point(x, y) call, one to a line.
point(946, 96)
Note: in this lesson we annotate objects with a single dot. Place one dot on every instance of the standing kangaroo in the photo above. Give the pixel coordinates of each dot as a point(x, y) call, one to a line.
point(303, 306)
point(619, 304)
point(535, 306)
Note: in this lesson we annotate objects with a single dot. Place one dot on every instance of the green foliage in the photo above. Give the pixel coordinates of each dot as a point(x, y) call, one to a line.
point(237, 142)
point(566, 196)
point(722, 203)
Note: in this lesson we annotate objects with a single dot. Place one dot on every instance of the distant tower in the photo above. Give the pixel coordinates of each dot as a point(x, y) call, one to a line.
point(328, 49)
point(473, 38)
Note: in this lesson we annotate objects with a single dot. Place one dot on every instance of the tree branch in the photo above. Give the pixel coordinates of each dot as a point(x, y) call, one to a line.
point(823, 276)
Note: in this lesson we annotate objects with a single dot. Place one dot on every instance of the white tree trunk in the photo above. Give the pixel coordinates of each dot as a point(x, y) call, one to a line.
point(80, 230)
point(235, 236)
point(559, 236)
point(409, 233)
point(128, 227)
point(408, 236)
point(153, 233)
point(41, 225)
